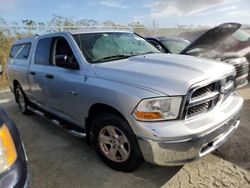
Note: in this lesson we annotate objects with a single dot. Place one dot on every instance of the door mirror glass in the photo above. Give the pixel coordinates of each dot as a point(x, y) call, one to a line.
point(66, 62)
point(62, 61)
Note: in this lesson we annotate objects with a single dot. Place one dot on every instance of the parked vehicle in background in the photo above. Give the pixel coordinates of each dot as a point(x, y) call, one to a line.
point(213, 44)
point(13, 161)
point(237, 45)
point(126, 96)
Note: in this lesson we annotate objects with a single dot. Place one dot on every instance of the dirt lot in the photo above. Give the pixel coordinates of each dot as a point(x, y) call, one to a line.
point(58, 159)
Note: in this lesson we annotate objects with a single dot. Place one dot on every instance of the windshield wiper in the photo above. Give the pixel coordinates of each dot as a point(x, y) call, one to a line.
point(121, 56)
point(114, 57)
point(144, 53)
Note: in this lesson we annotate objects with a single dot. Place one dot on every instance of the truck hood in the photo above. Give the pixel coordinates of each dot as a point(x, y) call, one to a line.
point(166, 73)
point(213, 37)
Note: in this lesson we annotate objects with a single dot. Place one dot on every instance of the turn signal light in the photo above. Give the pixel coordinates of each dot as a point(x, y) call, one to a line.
point(8, 154)
point(148, 115)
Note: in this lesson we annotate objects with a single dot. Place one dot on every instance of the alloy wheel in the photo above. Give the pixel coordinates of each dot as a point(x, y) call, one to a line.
point(114, 143)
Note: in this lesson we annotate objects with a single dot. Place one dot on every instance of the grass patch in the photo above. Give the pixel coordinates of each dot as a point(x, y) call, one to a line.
point(3, 84)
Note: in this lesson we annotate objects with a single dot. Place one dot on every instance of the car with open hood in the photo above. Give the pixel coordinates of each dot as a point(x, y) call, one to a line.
point(213, 44)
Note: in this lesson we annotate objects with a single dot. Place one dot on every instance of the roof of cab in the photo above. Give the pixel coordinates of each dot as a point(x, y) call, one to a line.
point(75, 32)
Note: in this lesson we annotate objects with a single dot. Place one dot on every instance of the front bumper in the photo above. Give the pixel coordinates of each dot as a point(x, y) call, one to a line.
point(16, 176)
point(180, 150)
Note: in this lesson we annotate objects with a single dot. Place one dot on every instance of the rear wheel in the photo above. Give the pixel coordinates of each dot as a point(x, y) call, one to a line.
point(115, 143)
point(21, 100)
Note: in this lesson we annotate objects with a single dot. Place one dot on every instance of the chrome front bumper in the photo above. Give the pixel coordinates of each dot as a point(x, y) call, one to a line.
point(181, 151)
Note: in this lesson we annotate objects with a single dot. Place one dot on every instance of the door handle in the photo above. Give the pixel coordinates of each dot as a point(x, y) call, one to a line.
point(49, 76)
point(32, 73)
point(72, 93)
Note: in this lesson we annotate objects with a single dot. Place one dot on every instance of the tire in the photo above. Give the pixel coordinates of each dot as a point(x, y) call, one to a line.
point(115, 143)
point(21, 100)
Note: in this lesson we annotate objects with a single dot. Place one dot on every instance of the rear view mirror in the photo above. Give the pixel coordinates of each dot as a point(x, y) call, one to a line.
point(160, 48)
point(1, 69)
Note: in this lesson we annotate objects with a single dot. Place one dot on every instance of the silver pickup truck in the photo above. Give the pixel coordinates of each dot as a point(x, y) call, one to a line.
point(132, 102)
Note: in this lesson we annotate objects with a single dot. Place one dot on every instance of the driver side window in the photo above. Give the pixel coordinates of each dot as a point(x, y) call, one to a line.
point(62, 54)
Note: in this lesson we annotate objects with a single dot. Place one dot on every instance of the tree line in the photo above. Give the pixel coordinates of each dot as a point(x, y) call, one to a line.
point(59, 23)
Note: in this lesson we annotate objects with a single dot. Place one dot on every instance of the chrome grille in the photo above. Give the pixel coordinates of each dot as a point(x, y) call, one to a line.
point(201, 108)
point(204, 99)
point(242, 69)
point(203, 91)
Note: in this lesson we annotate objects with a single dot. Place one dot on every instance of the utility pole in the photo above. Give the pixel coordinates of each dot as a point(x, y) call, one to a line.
point(154, 26)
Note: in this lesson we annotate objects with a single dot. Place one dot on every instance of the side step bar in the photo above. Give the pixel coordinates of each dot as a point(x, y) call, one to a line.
point(68, 127)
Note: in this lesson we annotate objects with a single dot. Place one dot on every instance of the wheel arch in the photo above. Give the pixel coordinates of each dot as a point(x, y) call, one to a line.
point(99, 108)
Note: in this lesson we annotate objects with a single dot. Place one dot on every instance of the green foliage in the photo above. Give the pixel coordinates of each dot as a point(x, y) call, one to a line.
point(6, 40)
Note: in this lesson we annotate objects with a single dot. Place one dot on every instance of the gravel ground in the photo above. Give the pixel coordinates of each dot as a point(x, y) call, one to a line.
point(58, 159)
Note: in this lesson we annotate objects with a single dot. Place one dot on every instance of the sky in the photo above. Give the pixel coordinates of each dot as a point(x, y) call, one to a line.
point(166, 13)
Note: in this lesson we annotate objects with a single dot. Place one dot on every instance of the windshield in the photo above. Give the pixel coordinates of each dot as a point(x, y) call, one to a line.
point(175, 46)
point(102, 47)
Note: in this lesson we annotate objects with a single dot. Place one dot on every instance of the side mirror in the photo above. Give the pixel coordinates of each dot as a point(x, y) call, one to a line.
point(62, 61)
point(1, 69)
point(66, 62)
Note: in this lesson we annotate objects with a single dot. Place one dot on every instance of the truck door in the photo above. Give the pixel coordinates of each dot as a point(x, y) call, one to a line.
point(65, 82)
point(61, 81)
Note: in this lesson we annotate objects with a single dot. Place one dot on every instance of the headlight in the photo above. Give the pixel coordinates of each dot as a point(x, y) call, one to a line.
point(8, 153)
point(156, 109)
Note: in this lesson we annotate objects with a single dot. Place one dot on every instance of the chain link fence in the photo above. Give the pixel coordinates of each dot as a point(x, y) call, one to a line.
point(185, 32)
point(143, 31)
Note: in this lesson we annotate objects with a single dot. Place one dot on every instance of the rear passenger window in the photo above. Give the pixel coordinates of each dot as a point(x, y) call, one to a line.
point(20, 51)
point(42, 55)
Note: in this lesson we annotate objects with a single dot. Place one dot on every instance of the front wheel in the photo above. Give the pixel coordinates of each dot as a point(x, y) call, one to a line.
point(115, 143)
point(21, 100)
